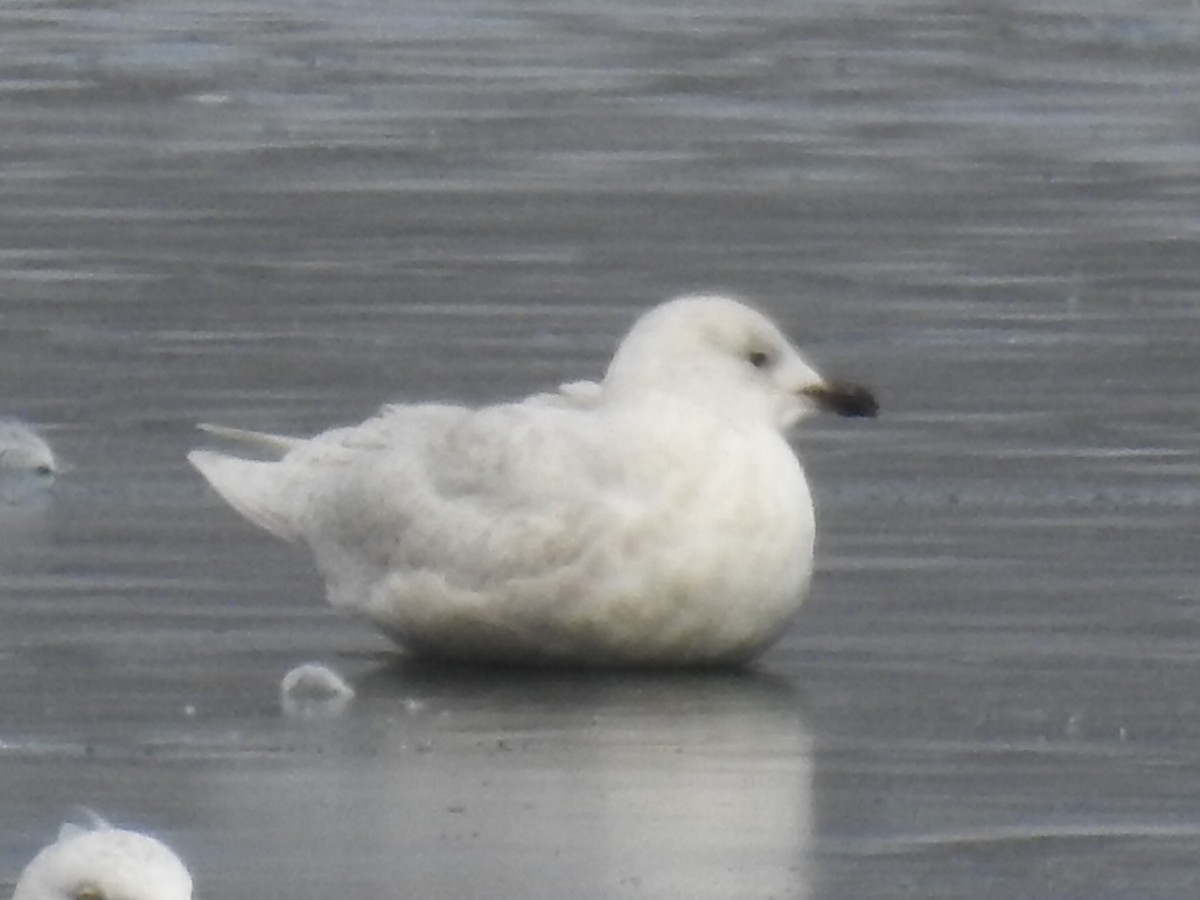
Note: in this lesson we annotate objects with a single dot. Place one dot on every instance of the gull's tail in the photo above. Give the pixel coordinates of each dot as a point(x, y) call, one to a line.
point(278, 444)
point(257, 489)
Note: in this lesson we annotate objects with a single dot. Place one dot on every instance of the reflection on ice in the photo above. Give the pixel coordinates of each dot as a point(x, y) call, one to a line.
point(24, 520)
point(472, 784)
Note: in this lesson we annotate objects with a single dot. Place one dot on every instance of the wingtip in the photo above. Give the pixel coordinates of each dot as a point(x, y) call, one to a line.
point(278, 444)
point(251, 487)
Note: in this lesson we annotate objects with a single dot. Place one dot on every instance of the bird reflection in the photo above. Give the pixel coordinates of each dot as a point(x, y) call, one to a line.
point(485, 782)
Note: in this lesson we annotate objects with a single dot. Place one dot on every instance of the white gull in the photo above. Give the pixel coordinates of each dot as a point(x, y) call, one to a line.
point(23, 450)
point(656, 518)
point(104, 863)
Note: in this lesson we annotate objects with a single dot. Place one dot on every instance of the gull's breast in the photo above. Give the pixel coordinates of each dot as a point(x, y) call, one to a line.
point(710, 567)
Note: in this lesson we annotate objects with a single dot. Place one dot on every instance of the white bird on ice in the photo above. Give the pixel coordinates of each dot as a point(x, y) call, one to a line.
point(23, 450)
point(104, 863)
point(656, 518)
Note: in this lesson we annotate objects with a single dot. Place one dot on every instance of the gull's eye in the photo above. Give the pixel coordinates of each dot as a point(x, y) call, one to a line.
point(43, 470)
point(760, 359)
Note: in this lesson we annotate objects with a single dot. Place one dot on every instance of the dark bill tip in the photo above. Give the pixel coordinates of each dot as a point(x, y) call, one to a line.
point(844, 398)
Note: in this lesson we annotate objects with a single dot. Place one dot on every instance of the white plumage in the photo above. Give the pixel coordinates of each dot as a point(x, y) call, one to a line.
point(23, 450)
point(104, 863)
point(658, 517)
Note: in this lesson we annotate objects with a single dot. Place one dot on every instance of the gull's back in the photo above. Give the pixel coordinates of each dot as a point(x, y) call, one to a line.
point(107, 863)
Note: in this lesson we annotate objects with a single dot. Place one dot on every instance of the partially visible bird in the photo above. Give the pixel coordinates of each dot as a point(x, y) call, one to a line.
point(100, 862)
point(23, 450)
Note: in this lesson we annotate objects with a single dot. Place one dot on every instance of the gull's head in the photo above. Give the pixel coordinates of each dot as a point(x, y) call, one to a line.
point(104, 863)
point(723, 355)
point(23, 450)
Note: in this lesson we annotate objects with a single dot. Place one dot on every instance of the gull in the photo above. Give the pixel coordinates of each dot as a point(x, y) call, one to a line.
point(27, 470)
point(101, 862)
point(658, 517)
point(23, 450)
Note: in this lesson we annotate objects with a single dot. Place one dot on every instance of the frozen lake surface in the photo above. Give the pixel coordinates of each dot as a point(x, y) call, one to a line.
point(281, 215)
